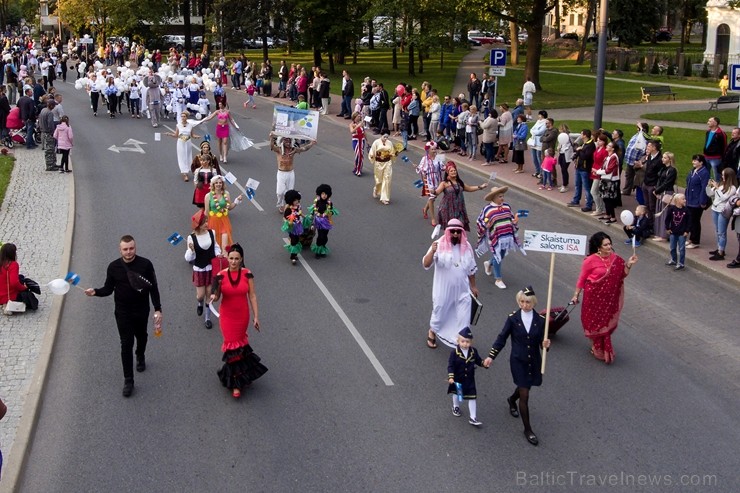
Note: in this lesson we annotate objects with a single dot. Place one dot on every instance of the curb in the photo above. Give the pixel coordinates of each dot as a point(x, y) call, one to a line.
point(13, 471)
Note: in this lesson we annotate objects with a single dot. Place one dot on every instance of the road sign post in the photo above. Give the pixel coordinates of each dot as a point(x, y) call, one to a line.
point(498, 69)
point(735, 85)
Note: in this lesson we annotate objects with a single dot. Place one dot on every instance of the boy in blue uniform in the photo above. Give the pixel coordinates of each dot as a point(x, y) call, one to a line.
point(461, 371)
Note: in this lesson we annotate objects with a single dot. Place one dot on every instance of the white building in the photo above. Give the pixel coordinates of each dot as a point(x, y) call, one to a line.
point(723, 33)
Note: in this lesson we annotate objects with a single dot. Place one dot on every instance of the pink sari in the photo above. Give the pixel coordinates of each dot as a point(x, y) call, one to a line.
point(602, 281)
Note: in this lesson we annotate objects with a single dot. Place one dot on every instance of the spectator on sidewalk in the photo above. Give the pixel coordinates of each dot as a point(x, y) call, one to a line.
point(565, 154)
point(723, 192)
point(505, 133)
point(535, 141)
point(696, 198)
point(324, 92)
point(652, 165)
point(528, 91)
point(28, 115)
point(632, 155)
point(731, 157)
point(550, 141)
point(600, 154)
point(584, 162)
point(348, 92)
point(46, 125)
point(664, 193)
point(715, 143)
point(490, 136)
point(474, 90)
point(735, 264)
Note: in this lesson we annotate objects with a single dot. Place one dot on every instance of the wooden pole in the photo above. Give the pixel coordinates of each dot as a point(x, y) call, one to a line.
point(549, 304)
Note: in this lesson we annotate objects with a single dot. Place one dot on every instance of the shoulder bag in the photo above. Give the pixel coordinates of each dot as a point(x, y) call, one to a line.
point(12, 307)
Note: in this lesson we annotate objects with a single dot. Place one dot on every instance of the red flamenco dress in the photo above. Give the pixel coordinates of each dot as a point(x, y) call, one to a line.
point(602, 281)
point(241, 364)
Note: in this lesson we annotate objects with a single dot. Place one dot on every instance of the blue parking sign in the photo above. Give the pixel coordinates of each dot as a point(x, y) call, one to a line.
point(735, 77)
point(498, 58)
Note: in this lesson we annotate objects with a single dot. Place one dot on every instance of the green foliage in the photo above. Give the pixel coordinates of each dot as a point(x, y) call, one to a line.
point(671, 69)
point(655, 70)
point(6, 168)
point(641, 65)
point(705, 70)
point(626, 67)
point(613, 65)
point(687, 70)
point(632, 20)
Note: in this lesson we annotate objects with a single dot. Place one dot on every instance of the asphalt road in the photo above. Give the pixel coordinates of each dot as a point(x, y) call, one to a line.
point(325, 417)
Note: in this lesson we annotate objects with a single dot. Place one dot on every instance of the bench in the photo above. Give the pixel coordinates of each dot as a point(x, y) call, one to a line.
point(730, 99)
point(648, 91)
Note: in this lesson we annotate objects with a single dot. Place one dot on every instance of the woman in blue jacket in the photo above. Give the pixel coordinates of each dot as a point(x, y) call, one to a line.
point(696, 197)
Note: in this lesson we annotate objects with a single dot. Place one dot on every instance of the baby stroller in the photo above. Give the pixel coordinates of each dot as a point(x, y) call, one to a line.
point(559, 316)
point(17, 130)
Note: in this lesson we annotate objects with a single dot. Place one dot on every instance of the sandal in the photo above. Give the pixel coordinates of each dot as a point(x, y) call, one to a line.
point(424, 211)
point(236, 393)
point(431, 340)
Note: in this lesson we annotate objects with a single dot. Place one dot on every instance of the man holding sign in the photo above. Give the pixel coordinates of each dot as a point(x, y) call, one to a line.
point(286, 149)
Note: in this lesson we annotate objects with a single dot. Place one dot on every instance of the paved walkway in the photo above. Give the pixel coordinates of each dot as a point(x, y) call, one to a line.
point(37, 217)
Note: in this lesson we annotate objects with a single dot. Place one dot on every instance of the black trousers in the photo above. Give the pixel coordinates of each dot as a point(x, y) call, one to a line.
point(132, 327)
point(94, 98)
point(695, 224)
point(322, 237)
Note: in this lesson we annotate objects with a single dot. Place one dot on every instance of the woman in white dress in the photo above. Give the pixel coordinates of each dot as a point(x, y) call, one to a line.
point(183, 133)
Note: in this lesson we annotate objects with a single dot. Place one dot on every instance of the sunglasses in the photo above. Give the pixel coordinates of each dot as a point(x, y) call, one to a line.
point(456, 231)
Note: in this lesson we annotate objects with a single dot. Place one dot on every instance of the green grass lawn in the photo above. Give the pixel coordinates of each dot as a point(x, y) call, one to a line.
point(681, 142)
point(728, 117)
point(6, 167)
point(439, 70)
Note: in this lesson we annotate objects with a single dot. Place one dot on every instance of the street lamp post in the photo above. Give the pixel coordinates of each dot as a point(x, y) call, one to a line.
point(601, 65)
point(221, 29)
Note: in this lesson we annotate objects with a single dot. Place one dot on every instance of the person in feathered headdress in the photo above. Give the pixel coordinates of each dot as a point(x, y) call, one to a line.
point(321, 212)
point(454, 280)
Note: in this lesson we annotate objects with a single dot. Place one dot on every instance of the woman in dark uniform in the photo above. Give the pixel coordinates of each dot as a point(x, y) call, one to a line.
point(527, 330)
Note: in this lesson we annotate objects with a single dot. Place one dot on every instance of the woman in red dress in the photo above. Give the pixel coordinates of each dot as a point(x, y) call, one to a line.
point(10, 283)
point(236, 285)
point(602, 281)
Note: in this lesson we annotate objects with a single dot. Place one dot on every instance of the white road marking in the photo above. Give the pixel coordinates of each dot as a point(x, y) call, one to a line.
point(223, 168)
point(136, 143)
point(347, 322)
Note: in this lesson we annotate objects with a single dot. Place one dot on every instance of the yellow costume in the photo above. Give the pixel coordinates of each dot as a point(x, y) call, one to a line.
point(382, 155)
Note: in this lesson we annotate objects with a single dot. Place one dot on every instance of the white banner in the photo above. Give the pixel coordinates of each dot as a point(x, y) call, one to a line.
point(294, 123)
point(542, 241)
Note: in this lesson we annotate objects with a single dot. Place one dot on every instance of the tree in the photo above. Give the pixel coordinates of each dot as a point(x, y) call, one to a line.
point(632, 20)
point(105, 17)
point(529, 14)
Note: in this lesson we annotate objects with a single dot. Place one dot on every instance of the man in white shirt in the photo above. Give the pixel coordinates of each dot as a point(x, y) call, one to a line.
point(528, 91)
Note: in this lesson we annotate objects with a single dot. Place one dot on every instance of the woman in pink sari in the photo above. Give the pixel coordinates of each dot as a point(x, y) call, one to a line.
point(602, 281)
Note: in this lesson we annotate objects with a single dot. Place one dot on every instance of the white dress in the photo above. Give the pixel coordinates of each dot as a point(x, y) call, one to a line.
point(184, 149)
point(451, 293)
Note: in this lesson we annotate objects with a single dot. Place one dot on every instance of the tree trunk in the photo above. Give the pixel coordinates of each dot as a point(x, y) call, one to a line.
point(370, 35)
point(534, 43)
point(316, 57)
point(331, 63)
point(395, 57)
point(589, 17)
point(187, 28)
point(514, 35)
point(412, 72)
point(421, 61)
point(557, 20)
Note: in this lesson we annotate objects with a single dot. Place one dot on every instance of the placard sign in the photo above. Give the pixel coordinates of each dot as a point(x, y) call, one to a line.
point(542, 241)
point(294, 123)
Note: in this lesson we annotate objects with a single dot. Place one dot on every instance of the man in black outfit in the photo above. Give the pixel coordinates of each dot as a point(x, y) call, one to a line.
point(133, 281)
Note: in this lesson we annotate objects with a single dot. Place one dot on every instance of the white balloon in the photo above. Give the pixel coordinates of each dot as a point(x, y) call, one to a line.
point(58, 287)
point(128, 64)
point(627, 218)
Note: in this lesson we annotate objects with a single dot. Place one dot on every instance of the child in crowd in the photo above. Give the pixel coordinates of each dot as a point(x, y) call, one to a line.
point(485, 106)
point(321, 212)
point(293, 224)
point(167, 102)
point(641, 228)
point(135, 99)
point(358, 105)
point(461, 374)
point(250, 94)
point(204, 104)
point(677, 227)
point(461, 120)
point(302, 104)
point(548, 165)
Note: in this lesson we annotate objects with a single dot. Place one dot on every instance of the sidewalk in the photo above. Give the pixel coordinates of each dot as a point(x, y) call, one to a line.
point(37, 216)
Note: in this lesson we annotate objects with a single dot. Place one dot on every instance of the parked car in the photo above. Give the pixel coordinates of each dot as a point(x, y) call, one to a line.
point(572, 36)
point(664, 34)
point(484, 38)
point(523, 36)
point(365, 41)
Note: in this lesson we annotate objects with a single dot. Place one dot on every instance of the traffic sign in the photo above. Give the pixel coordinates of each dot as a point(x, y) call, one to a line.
point(497, 71)
point(735, 77)
point(498, 58)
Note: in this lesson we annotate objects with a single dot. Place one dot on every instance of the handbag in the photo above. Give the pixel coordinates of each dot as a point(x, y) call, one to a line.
point(12, 307)
point(520, 145)
point(729, 209)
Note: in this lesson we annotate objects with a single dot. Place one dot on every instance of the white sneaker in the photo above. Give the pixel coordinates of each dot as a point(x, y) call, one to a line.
point(474, 422)
point(487, 267)
point(563, 189)
point(500, 284)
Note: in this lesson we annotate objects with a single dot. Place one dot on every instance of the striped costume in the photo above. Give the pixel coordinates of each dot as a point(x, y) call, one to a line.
point(358, 145)
point(430, 171)
point(496, 226)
